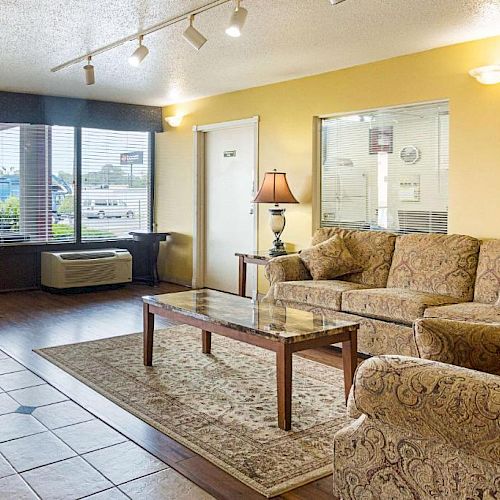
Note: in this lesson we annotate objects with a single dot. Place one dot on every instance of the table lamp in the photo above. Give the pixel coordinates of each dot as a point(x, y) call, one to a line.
point(275, 189)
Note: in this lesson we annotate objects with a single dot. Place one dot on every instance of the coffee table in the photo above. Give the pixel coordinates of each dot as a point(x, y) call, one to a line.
point(280, 329)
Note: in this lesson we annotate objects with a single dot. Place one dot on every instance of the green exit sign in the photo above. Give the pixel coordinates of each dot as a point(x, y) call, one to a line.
point(229, 154)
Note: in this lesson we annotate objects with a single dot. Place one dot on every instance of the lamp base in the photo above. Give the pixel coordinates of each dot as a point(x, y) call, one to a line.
point(277, 222)
point(276, 251)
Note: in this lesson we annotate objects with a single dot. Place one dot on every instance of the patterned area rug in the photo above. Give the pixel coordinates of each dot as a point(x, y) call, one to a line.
point(223, 405)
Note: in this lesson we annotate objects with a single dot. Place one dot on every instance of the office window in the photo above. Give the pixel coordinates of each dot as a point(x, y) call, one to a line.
point(386, 169)
point(37, 171)
point(116, 180)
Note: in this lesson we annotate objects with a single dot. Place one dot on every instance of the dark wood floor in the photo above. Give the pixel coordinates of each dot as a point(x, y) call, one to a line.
point(34, 319)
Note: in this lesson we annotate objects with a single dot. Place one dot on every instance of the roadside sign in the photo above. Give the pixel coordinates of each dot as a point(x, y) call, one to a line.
point(132, 158)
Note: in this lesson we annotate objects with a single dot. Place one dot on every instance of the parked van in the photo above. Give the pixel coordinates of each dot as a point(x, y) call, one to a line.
point(102, 209)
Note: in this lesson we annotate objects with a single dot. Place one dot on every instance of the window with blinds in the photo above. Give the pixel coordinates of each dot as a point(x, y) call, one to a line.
point(116, 180)
point(386, 169)
point(37, 172)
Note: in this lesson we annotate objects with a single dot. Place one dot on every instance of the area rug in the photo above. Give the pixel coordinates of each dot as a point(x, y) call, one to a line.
point(222, 405)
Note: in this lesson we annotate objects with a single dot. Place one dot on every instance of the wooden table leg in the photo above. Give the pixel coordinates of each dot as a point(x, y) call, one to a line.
point(206, 339)
point(284, 384)
point(242, 280)
point(149, 326)
point(350, 361)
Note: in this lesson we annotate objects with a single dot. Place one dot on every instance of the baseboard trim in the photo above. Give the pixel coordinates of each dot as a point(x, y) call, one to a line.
point(177, 282)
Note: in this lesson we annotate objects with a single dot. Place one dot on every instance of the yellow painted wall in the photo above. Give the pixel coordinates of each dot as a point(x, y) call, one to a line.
point(286, 113)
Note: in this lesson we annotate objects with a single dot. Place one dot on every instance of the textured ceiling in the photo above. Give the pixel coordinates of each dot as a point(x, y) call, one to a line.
point(282, 39)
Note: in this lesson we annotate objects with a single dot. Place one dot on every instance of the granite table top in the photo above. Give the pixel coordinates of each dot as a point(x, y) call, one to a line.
point(266, 319)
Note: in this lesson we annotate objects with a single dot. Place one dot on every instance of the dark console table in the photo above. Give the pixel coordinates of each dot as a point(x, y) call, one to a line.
point(150, 241)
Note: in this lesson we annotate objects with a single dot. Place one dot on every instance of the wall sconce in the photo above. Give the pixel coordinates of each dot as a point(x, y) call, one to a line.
point(488, 75)
point(174, 121)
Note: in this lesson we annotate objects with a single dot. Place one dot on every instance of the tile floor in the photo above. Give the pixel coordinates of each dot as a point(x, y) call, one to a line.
point(51, 448)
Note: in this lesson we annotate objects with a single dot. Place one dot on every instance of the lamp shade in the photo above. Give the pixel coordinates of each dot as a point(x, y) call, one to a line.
point(275, 189)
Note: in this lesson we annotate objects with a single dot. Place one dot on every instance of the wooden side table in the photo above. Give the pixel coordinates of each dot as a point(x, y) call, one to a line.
point(258, 258)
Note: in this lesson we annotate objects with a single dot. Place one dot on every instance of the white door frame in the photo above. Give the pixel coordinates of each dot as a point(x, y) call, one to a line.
point(199, 240)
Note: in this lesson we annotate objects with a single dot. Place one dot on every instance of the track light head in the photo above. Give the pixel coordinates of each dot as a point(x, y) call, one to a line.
point(237, 21)
point(89, 72)
point(139, 54)
point(193, 36)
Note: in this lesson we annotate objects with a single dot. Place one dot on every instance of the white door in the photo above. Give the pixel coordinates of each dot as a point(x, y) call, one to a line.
point(230, 222)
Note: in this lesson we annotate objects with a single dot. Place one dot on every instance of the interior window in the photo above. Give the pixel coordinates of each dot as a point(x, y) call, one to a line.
point(386, 169)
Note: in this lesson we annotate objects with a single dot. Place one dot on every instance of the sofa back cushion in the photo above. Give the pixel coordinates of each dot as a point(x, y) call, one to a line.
point(487, 289)
point(444, 264)
point(372, 250)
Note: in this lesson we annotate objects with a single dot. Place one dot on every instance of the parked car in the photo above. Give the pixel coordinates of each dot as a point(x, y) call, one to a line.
point(101, 209)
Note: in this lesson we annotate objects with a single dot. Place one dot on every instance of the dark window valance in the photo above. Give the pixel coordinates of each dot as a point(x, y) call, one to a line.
point(67, 111)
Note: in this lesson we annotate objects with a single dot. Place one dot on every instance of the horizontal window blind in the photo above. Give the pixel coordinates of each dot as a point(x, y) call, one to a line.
point(116, 180)
point(37, 166)
point(386, 169)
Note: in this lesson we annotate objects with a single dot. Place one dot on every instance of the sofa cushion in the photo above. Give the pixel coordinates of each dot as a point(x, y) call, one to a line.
point(468, 344)
point(435, 263)
point(391, 304)
point(321, 293)
point(372, 250)
point(329, 259)
point(466, 311)
point(487, 287)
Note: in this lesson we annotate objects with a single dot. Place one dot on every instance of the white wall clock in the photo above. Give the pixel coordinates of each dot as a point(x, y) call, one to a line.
point(410, 154)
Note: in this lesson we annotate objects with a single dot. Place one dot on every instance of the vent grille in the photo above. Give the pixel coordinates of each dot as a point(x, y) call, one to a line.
point(96, 273)
point(423, 221)
point(86, 256)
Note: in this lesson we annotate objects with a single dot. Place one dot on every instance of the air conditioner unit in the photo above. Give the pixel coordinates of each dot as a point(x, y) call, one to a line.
point(86, 268)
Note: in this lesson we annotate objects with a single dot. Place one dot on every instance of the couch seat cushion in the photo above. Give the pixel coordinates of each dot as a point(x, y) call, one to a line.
point(392, 304)
point(467, 311)
point(323, 293)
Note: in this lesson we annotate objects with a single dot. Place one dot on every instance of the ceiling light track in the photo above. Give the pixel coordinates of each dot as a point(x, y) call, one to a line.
point(141, 34)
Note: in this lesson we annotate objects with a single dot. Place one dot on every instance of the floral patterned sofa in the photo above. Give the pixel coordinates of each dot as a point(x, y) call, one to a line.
point(403, 278)
point(425, 429)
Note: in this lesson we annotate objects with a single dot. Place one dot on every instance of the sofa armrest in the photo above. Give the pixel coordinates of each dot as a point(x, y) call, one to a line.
point(432, 400)
point(286, 268)
point(466, 344)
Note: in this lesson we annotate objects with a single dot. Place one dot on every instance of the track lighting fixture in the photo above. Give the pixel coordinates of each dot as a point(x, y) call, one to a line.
point(139, 54)
point(89, 72)
point(193, 36)
point(237, 20)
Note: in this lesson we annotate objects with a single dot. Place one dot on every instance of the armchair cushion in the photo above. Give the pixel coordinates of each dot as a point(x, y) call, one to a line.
point(286, 268)
point(471, 345)
point(329, 259)
point(435, 263)
point(391, 304)
point(467, 311)
point(436, 401)
point(321, 293)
